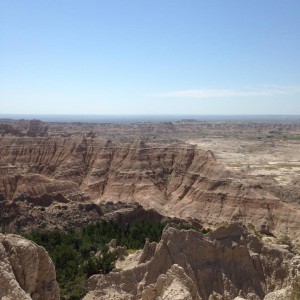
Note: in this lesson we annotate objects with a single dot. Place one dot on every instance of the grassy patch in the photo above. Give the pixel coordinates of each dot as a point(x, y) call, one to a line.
point(252, 227)
point(131, 251)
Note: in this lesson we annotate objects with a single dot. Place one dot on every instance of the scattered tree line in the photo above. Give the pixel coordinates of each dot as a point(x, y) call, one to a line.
point(79, 254)
point(73, 253)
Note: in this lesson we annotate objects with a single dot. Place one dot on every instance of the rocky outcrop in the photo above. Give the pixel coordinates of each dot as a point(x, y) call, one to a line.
point(26, 271)
point(48, 212)
point(175, 284)
point(224, 264)
point(119, 251)
point(175, 179)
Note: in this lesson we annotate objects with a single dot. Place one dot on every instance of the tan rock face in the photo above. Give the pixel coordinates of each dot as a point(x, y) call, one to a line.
point(175, 284)
point(178, 180)
point(224, 264)
point(26, 271)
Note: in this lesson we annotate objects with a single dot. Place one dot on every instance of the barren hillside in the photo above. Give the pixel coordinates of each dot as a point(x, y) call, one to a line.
point(175, 179)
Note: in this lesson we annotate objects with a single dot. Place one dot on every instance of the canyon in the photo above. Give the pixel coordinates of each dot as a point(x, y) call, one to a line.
point(180, 180)
point(201, 174)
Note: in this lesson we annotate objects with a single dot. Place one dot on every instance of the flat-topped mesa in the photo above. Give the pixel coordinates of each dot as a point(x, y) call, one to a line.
point(223, 264)
point(26, 270)
point(175, 179)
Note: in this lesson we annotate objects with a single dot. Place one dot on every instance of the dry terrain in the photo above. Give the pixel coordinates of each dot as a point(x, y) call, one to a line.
point(279, 159)
point(211, 171)
point(239, 178)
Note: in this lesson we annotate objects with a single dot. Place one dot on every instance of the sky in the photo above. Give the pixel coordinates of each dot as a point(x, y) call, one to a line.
point(150, 57)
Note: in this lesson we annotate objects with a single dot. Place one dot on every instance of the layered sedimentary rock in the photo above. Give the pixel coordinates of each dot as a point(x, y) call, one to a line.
point(26, 271)
point(224, 264)
point(176, 179)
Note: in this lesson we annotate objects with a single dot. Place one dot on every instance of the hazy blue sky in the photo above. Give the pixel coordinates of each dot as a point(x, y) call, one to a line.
point(150, 57)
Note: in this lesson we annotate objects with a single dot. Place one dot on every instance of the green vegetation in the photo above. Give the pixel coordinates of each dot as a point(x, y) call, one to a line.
point(252, 227)
point(222, 224)
point(73, 252)
point(285, 240)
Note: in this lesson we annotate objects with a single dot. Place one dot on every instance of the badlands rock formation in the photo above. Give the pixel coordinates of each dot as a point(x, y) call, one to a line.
point(49, 212)
point(175, 179)
point(224, 264)
point(26, 271)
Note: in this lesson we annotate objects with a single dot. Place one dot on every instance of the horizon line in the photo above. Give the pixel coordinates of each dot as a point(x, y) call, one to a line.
point(142, 114)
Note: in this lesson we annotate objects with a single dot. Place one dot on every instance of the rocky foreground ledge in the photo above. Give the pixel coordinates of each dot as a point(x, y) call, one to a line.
point(225, 264)
point(26, 271)
point(229, 263)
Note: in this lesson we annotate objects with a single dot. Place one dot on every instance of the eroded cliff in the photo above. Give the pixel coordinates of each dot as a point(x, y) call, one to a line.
point(224, 264)
point(26, 271)
point(175, 179)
